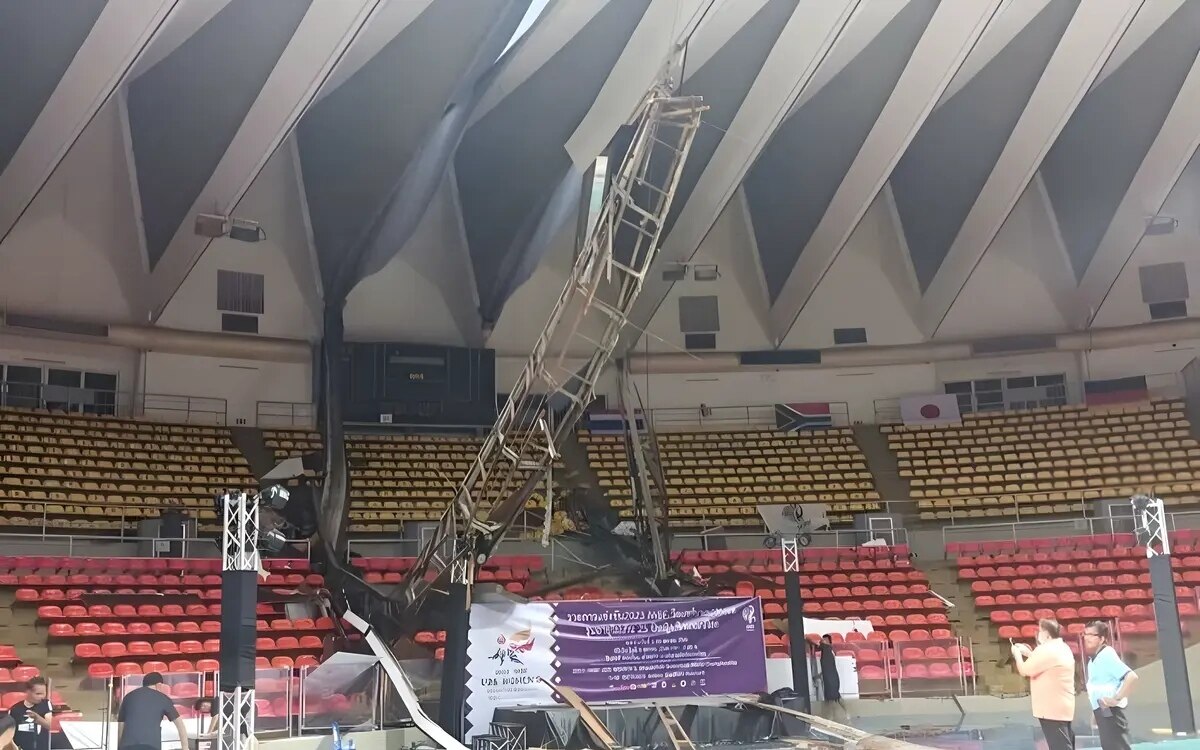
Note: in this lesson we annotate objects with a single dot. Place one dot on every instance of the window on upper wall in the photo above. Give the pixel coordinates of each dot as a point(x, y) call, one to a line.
point(1016, 392)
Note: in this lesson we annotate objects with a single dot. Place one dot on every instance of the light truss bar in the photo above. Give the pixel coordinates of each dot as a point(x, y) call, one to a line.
point(239, 534)
point(236, 726)
point(790, 550)
point(599, 294)
point(1150, 519)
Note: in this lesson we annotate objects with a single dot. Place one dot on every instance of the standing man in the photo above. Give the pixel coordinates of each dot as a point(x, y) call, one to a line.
point(1051, 671)
point(139, 720)
point(831, 682)
point(31, 717)
point(1109, 682)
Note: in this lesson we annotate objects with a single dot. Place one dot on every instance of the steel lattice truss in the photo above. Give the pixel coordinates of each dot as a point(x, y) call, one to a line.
point(590, 315)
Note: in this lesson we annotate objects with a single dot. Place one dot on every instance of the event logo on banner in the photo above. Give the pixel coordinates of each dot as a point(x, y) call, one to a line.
point(611, 651)
point(937, 408)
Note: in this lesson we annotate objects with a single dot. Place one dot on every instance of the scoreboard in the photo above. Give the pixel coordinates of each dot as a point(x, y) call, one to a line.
point(419, 384)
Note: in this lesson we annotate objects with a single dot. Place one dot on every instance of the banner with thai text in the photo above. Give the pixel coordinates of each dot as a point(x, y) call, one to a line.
point(611, 651)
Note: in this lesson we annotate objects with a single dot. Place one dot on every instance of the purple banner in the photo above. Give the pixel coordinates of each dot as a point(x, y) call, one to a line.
point(655, 648)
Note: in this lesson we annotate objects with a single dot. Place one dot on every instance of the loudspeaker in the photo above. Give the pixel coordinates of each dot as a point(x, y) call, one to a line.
point(239, 600)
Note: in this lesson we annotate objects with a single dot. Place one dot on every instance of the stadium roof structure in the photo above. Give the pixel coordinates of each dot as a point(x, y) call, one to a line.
point(914, 168)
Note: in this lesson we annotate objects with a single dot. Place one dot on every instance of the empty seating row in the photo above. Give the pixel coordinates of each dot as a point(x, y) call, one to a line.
point(719, 477)
point(1051, 460)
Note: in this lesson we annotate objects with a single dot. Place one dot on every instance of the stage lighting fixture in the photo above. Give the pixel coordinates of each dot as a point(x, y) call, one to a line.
point(216, 225)
point(275, 497)
point(210, 225)
point(272, 542)
point(244, 230)
point(1156, 225)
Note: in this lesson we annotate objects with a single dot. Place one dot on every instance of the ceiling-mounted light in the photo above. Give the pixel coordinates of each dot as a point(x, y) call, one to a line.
point(216, 225)
point(1161, 225)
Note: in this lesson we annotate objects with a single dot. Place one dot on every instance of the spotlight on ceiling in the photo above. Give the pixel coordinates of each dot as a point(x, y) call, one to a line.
point(1161, 225)
point(216, 225)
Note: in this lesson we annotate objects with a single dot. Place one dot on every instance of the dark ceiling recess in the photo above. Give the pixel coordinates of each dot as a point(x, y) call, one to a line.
point(356, 142)
point(942, 172)
point(1166, 310)
point(38, 41)
point(497, 184)
point(700, 341)
point(184, 111)
point(795, 177)
point(849, 335)
point(1089, 168)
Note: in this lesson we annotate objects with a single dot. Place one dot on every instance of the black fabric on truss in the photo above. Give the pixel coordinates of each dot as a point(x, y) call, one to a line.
point(239, 602)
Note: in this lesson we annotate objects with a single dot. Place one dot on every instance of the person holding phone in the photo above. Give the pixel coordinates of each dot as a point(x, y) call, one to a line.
point(1051, 671)
point(1109, 682)
point(32, 716)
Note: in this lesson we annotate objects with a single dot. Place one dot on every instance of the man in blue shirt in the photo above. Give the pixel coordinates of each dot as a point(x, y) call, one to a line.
point(1109, 682)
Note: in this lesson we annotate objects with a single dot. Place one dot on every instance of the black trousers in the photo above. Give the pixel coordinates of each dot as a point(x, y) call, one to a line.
point(1059, 734)
point(1114, 729)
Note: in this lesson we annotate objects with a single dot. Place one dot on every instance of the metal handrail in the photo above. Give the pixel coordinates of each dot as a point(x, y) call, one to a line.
point(284, 414)
point(1159, 386)
point(1059, 527)
point(162, 407)
point(71, 540)
point(703, 416)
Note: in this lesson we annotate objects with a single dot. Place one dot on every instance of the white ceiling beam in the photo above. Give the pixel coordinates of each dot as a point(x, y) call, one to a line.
point(636, 69)
point(1150, 18)
point(121, 32)
point(1080, 55)
point(1013, 16)
point(393, 17)
point(188, 17)
point(803, 43)
point(324, 34)
point(867, 21)
point(949, 37)
point(1148, 191)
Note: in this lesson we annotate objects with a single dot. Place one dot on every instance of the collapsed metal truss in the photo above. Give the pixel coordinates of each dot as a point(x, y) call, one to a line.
point(647, 480)
point(589, 315)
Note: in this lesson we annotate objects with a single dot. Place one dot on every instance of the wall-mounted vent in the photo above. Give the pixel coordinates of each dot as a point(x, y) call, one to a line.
point(699, 314)
point(781, 357)
point(1163, 282)
point(1168, 310)
point(701, 341)
point(38, 323)
point(675, 273)
point(1022, 343)
point(240, 292)
point(234, 323)
point(849, 335)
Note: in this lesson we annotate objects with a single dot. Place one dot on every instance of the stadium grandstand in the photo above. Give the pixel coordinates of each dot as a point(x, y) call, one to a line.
point(433, 372)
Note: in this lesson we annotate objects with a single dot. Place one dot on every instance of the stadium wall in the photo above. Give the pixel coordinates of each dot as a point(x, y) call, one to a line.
point(242, 383)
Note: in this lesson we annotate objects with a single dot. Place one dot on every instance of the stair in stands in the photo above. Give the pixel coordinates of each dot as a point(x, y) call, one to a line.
point(885, 470)
point(579, 476)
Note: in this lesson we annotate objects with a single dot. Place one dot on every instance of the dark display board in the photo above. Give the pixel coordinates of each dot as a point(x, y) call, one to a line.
point(419, 384)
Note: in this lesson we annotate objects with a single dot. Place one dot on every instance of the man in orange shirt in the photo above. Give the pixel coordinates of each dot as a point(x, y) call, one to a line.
point(1051, 671)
